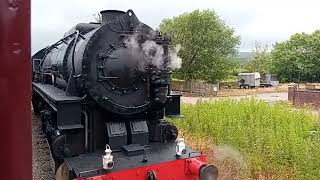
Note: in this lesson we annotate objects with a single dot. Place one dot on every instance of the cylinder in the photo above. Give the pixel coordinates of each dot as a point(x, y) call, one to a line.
point(194, 165)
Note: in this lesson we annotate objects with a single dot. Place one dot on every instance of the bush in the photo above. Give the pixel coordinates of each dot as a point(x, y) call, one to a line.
point(276, 141)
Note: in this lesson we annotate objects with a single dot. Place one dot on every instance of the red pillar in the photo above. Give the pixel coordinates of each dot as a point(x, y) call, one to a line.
point(15, 90)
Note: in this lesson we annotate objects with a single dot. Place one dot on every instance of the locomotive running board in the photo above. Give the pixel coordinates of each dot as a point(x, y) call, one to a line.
point(68, 108)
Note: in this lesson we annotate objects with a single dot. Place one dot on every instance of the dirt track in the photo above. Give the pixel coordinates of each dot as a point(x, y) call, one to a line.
point(268, 97)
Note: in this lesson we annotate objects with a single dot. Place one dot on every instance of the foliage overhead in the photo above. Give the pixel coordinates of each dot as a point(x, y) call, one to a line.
point(298, 59)
point(260, 60)
point(208, 45)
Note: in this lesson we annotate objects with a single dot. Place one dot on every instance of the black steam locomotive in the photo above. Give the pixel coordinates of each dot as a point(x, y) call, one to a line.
point(106, 87)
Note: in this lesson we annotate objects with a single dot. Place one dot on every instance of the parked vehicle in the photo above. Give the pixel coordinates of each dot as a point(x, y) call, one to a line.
point(249, 80)
point(269, 80)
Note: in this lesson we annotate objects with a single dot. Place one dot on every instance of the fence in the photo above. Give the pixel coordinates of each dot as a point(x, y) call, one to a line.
point(201, 89)
point(229, 85)
point(300, 97)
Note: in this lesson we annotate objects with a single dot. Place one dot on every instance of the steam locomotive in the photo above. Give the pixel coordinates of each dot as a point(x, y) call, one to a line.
point(102, 92)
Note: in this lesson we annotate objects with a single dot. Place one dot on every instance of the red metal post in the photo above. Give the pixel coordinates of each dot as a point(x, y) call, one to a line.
point(15, 90)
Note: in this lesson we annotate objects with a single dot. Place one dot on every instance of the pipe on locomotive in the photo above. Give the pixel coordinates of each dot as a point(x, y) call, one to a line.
point(110, 15)
point(86, 122)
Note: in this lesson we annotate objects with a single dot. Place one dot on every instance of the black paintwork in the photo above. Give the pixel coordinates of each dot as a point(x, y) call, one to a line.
point(91, 90)
point(134, 149)
point(68, 108)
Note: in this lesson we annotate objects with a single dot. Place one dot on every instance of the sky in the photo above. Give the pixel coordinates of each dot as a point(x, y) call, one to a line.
point(262, 21)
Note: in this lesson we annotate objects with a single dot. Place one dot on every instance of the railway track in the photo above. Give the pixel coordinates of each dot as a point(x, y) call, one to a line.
point(42, 162)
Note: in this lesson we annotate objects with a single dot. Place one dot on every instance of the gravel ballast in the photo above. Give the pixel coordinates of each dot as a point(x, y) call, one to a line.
point(43, 164)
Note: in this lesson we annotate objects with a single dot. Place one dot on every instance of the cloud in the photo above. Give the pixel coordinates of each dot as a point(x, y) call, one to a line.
point(254, 20)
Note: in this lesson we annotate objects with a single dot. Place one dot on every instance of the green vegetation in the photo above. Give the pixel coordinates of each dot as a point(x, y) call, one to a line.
point(297, 59)
point(209, 51)
point(259, 61)
point(208, 45)
point(276, 141)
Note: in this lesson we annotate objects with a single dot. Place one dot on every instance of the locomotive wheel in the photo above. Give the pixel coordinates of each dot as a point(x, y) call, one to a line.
point(62, 172)
point(57, 147)
point(35, 105)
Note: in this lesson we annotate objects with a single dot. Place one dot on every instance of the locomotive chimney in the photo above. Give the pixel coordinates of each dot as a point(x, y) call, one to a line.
point(110, 15)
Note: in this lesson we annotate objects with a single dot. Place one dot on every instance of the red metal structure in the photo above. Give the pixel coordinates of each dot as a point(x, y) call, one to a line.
point(186, 169)
point(15, 90)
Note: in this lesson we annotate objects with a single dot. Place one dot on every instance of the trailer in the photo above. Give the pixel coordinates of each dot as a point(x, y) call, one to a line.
point(269, 80)
point(249, 80)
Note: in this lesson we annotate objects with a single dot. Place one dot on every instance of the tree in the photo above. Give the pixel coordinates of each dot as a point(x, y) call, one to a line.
point(298, 59)
point(260, 60)
point(208, 45)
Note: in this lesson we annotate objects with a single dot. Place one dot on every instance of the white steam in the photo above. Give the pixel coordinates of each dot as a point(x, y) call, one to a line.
point(226, 152)
point(229, 161)
point(153, 53)
point(135, 53)
point(148, 52)
point(175, 60)
point(132, 42)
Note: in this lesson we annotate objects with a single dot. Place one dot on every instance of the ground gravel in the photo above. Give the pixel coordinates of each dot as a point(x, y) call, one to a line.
point(42, 161)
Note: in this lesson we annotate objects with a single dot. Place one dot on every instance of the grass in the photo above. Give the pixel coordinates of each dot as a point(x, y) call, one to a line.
point(251, 139)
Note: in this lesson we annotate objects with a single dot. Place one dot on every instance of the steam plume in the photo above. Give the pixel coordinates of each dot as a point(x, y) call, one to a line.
point(175, 60)
point(148, 52)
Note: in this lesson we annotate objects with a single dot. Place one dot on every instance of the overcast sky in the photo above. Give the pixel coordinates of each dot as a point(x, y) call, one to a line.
point(264, 21)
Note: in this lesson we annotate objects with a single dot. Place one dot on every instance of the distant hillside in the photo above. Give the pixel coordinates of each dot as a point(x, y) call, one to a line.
point(243, 57)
